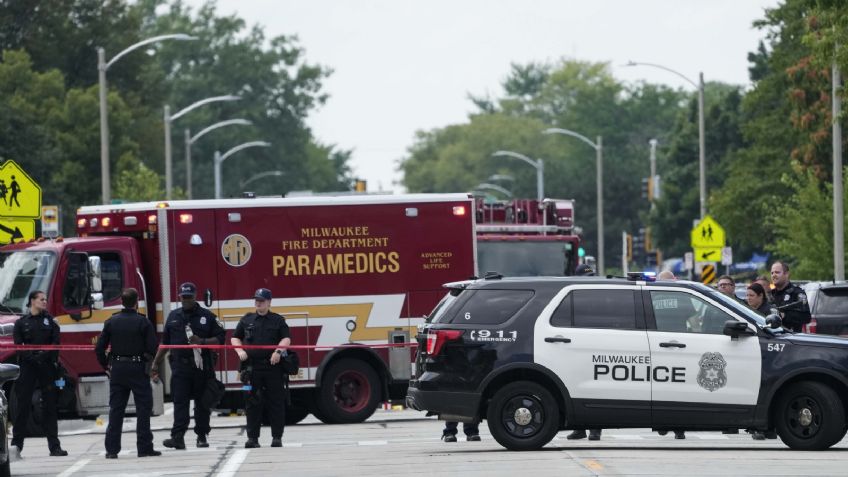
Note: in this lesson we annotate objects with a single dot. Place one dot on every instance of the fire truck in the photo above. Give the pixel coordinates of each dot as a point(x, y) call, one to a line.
point(353, 275)
point(525, 237)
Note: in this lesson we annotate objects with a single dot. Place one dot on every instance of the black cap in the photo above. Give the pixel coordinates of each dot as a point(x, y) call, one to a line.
point(188, 289)
point(584, 270)
point(262, 294)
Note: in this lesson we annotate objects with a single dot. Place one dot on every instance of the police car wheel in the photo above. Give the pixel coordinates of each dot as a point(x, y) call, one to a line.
point(523, 416)
point(810, 416)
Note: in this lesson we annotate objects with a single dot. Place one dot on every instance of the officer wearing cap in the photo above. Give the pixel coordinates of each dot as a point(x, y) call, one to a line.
point(37, 327)
point(133, 343)
point(190, 368)
point(261, 367)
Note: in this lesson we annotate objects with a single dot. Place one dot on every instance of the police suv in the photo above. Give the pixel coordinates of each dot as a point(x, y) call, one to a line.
point(534, 356)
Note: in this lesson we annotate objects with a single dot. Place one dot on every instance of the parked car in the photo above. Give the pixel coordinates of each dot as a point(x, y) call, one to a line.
point(8, 372)
point(829, 308)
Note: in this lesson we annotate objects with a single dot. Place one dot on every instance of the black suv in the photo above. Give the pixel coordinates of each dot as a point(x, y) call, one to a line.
point(534, 356)
point(829, 308)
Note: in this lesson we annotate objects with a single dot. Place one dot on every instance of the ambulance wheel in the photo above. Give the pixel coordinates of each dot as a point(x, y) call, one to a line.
point(809, 416)
point(523, 416)
point(295, 414)
point(349, 392)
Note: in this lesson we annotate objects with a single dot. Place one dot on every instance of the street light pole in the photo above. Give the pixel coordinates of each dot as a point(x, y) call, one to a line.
point(102, 66)
point(538, 164)
point(599, 168)
point(838, 194)
point(168, 118)
point(653, 180)
point(256, 177)
point(189, 140)
point(702, 155)
point(220, 158)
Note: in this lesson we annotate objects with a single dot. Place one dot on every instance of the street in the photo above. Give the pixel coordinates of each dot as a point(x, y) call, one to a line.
point(403, 442)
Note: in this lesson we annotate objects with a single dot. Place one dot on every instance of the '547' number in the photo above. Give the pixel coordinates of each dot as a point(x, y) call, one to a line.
point(776, 347)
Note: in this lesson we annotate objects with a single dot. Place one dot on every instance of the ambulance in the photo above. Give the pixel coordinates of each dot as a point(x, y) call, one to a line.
point(353, 276)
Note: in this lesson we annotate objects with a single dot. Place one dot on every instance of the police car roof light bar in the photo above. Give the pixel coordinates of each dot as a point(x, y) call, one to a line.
point(642, 276)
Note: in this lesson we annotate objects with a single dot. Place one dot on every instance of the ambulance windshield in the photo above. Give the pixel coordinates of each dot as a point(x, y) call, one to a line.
point(20, 273)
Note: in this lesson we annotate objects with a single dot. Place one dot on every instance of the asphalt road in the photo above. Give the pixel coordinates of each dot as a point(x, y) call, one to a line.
point(406, 443)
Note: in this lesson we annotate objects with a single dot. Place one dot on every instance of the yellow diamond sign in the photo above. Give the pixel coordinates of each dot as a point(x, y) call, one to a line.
point(707, 234)
point(20, 196)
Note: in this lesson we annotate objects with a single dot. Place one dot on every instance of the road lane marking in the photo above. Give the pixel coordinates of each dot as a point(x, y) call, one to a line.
point(77, 466)
point(373, 443)
point(292, 444)
point(233, 463)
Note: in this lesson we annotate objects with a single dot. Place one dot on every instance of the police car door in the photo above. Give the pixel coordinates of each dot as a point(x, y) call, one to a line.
point(593, 338)
point(700, 376)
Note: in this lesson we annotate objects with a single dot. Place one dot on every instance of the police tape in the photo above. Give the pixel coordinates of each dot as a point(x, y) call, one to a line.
point(78, 347)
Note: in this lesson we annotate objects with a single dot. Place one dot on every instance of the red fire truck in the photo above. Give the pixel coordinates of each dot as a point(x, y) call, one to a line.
point(343, 270)
point(525, 237)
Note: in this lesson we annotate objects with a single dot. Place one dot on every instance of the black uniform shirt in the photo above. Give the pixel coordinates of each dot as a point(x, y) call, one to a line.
point(203, 323)
point(797, 311)
point(129, 333)
point(257, 329)
point(35, 330)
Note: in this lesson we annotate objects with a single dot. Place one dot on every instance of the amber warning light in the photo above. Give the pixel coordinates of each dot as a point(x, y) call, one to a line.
point(459, 210)
point(185, 218)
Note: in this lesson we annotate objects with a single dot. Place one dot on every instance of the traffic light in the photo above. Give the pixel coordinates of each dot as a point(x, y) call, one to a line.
point(361, 185)
point(639, 245)
point(646, 188)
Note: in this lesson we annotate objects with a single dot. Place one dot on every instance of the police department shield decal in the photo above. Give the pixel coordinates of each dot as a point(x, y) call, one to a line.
point(711, 375)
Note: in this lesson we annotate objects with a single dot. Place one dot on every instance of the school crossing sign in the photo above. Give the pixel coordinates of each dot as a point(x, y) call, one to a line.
point(20, 204)
point(707, 239)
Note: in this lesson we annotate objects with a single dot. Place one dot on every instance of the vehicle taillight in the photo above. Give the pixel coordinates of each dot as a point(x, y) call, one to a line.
point(810, 327)
point(437, 338)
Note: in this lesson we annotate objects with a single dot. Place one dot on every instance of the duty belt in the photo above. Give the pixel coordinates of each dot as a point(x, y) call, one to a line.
point(137, 359)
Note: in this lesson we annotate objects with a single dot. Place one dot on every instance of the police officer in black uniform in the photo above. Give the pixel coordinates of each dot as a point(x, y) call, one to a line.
point(37, 327)
point(261, 369)
point(133, 344)
point(191, 369)
point(584, 270)
point(789, 299)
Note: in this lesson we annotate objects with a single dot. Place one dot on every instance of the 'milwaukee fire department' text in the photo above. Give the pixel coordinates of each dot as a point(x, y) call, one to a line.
point(335, 263)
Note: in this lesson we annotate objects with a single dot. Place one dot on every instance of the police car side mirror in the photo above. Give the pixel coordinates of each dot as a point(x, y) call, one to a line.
point(735, 328)
point(773, 321)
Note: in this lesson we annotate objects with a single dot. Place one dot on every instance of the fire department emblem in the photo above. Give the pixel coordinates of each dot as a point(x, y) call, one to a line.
point(712, 376)
point(236, 250)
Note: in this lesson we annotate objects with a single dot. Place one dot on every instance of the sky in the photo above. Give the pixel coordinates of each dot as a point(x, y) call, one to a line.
point(400, 66)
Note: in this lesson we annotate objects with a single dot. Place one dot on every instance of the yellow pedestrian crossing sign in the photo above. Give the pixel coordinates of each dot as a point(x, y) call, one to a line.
point(708, 234)
point(13, 230)
point(20, 196)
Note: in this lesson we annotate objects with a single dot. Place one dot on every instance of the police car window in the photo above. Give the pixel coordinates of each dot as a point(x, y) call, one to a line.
point(438, 313)
point(684, 313)
point(562, 316)
point(604, 309)
point(744, 310)
point(490, 307)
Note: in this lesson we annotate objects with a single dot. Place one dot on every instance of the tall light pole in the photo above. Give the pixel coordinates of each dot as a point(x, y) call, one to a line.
point(653, 180)
point(838, 194)
point(168, 118)
point(189, 140)
point(538, 164)
point(599, 157)
point(102, 66)
point(220, 158)
point(261, 175)
point(702, 161)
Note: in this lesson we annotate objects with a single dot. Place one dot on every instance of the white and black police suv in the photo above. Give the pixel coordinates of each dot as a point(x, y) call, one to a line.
point(534, 356)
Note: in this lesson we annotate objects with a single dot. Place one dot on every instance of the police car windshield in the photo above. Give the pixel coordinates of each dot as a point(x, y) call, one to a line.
point(747, 312)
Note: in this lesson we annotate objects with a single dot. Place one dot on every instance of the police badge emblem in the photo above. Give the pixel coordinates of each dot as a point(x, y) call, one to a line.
point(712, 376)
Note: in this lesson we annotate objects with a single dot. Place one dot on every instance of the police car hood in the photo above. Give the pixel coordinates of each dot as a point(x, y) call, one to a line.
point(818, 340)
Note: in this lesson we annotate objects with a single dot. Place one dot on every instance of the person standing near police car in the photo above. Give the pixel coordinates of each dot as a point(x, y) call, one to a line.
point(789, 299)
point(37, 327)
point(190, 368)
point(133, 342)
point(261, 368)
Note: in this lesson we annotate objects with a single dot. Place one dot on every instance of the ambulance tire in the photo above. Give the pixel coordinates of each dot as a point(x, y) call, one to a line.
point(809, 416)
point(523, 416)
point(349, 392)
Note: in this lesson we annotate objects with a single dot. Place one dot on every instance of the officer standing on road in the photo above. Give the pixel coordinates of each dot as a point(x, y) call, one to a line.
point(789, 299)
point(584, 270)
point(133, 345)
point(191, 368)
point(261, 367)
point(37, 327)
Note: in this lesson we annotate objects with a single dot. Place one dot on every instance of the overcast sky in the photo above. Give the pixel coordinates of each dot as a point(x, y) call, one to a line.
point(401, 66)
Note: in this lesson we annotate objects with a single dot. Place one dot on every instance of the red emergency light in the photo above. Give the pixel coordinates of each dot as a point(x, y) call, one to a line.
point(459, 210)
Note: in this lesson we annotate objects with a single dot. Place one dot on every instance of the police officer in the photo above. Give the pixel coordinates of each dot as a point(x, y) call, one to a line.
point(191, 369)
point(789, 299)
point(261, 367)
point(133, 344)
point(584, 270)
point(37, 327)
